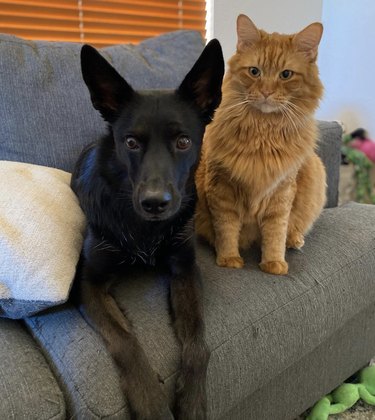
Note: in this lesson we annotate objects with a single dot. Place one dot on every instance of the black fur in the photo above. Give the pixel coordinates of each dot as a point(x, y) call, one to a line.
point(136, 187)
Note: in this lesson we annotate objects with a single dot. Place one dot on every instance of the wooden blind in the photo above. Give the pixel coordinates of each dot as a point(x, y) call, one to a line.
point(99, 22)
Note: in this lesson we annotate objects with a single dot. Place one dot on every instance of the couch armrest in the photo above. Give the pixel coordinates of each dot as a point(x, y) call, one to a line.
point(329, 151)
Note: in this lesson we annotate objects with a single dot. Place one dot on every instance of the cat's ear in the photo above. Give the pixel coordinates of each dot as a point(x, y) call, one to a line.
point(247, 33)
point(202, 85)
point(108, 90)
point(307, 41)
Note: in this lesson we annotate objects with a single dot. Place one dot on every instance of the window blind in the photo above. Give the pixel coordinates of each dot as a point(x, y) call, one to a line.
point(99, 22)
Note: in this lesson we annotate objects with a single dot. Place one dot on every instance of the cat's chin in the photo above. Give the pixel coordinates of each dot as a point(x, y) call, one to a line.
point(266, 108)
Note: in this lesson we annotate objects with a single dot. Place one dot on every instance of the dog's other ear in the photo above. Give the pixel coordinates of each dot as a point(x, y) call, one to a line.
point(202, 85)
point(108, 90)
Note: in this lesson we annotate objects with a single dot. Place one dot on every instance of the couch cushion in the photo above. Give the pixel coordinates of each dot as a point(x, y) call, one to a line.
point(41, 235)
point(28, 390)
point(258, 324)
point(316, 374)
point(45, 109)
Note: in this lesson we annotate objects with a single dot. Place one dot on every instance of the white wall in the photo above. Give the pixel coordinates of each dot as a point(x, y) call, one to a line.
point(347, 63)
point(287, 16)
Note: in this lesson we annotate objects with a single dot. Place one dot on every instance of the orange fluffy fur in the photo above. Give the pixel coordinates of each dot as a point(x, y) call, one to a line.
point(259, 178)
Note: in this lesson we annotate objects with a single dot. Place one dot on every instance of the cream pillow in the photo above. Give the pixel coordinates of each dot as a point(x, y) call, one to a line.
point(41, 236)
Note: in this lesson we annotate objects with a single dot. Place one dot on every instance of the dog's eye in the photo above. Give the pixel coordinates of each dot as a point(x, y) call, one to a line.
point(131, 143)
point(183, 143)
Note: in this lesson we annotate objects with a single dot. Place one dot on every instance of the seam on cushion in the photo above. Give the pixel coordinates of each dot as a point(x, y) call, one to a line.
point(319, 284)
point(32, 44)
point(76, 387)
point(170, 376)
point(62, 397)
point(296, 361)
point(62, 406)
point(56, 416)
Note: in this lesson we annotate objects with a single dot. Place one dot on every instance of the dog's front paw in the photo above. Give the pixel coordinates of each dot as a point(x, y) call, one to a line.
point(274, 267)
point(230, 262)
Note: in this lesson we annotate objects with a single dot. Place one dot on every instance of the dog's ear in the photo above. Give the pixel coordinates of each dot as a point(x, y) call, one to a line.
point(108, 90)
point(202, 85)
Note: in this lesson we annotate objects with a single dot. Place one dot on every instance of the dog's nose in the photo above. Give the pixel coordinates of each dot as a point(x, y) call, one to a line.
point(156, 202)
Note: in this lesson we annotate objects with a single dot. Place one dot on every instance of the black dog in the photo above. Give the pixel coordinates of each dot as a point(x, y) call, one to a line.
point(136, 187)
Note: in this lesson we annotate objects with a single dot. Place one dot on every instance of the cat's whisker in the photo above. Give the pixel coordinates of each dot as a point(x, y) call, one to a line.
point(299, 112)
point(300, 99)
point(295, 112)
point(287, 115)
point(238, 104)
point(293, 118)
point(296, 108)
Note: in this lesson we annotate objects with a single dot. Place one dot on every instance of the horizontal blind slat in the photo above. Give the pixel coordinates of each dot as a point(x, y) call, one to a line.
point(100, 22)
point(59, 5)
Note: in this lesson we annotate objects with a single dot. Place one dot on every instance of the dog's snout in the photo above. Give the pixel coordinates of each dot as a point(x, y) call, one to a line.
point(156, 202)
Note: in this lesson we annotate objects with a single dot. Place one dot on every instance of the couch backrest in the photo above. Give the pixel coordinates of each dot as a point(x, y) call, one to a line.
point(46, 116)
point(329, 151)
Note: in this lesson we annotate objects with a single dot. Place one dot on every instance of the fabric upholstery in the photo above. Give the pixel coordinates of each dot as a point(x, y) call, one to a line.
point(297, 388)
point(41, 236)
point(80, 361)
point(45, 109)
point(28, 389)
point(329, 151)
point(258, 325)
point(260, 328)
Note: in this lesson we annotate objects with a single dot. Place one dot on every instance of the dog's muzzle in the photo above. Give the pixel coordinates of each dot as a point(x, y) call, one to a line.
point(155, 203)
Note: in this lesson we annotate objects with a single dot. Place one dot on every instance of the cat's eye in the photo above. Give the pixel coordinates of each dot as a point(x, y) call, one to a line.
point(286, 74)
point(132, 143)
point(254, 71)
point(183, 143)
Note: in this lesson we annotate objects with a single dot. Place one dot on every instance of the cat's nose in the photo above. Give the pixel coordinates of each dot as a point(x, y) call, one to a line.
point(267, 93)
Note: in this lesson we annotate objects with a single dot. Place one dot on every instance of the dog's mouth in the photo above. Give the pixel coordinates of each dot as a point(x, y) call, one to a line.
point(158, 218)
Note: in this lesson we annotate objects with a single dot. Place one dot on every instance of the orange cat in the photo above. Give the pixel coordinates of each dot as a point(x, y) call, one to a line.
point(259, 178)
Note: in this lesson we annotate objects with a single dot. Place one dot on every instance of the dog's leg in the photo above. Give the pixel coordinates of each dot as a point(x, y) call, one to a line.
point(185, 294)
point(139, 383)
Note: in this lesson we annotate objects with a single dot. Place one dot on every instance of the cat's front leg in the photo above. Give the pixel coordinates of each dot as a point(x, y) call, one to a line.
point(273, 227)
point(227, 232)
point(226, 222)
point(273, 247)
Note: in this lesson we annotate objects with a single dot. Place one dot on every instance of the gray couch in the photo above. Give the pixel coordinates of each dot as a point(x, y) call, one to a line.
point(277, 343)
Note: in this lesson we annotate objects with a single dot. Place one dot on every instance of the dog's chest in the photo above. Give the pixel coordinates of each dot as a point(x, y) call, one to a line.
point(132, 247)
point(140, 249)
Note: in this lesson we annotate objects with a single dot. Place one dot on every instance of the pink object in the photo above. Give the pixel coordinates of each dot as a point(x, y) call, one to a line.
point(366, 146)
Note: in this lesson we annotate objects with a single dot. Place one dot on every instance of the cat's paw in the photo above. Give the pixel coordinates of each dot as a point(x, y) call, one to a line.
point(295, 241)
point(230, 262)
point(274, 267)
